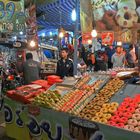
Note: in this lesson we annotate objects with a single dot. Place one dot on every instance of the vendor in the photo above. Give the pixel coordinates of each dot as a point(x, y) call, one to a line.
point(131, 57)
point(118, 58)
point(64, 65)
point(31, 69)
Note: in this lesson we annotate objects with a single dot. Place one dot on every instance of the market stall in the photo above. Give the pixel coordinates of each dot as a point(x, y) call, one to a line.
point(48, 57)
point(96, 106)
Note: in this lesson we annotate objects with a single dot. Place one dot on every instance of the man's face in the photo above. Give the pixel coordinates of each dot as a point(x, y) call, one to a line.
point(118, 50)
point(64, 54)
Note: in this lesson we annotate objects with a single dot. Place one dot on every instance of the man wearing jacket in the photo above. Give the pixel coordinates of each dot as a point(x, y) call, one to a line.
point(64, 65)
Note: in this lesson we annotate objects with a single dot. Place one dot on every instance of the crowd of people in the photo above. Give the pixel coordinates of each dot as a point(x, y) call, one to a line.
point(87, 61)
point(106, 58)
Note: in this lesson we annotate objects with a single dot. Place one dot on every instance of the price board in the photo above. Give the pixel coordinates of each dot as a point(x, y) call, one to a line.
point(12, 17)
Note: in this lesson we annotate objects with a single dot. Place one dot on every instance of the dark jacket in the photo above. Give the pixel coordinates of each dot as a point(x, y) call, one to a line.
point(31, 70)
point(64, 68)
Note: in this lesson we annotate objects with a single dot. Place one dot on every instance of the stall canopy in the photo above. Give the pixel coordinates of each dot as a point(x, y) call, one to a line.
point(55, 14)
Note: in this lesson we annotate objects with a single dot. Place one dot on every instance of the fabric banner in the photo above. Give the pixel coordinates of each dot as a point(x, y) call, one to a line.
point(12, 17)
point(107, 38)
point(116, 14)
point(86, 38)
point(31, 23)
point(25, 122)
point(86, 16)
point(120, 16)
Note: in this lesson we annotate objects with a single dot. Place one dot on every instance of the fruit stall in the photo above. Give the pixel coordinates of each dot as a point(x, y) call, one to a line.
point(93, 107)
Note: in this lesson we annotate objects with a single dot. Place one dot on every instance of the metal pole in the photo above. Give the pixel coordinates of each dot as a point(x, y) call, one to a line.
point(75, 36)
point(139, 58)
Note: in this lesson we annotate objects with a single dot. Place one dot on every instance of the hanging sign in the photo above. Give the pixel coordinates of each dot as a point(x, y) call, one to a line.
point(107, 38)
point(12, 18)
point(86, 38)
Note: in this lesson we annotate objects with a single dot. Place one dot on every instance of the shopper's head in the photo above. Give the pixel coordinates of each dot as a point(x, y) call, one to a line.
point(79, 55)
point(29, 56)
point(64, 53)
point(131, 47)
point(118, 49)
point(111, 47)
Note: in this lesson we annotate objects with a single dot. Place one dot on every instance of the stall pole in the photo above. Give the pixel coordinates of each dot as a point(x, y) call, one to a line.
point(139, 58)
point(75, 36)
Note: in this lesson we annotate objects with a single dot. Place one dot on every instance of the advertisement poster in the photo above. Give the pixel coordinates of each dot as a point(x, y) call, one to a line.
point(31, 22)
point(25, 122)
point(116, 14)
point(107, 38)
point(12, 17)
point(86, 17)
point(87, 38)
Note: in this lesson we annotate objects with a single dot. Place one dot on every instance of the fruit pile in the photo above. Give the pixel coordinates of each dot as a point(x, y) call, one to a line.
point(127, 115)
point(101, 98)
point(47, 99)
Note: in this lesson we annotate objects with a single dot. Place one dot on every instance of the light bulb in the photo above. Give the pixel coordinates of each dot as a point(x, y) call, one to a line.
point(119, 43)
point(94, 33)
point(61, 35)
point(73, 15)
point(43, 34)
point(32, 44)
point(89, 41)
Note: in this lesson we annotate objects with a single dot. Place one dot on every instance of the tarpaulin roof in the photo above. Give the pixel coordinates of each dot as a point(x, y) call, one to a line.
point(56, 14)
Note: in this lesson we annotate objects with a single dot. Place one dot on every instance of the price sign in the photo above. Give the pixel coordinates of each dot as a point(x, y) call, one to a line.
point(12, 18)
point(107, 38)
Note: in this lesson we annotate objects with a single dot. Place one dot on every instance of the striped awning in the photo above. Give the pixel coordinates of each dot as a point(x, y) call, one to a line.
point(57, 14)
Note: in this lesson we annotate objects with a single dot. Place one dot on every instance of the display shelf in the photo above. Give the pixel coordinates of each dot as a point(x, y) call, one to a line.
point(78, 99)
point(127, 91)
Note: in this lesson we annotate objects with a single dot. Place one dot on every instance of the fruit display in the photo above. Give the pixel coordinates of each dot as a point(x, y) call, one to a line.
point(47, 99)
point(103, 97)
point(127, 115)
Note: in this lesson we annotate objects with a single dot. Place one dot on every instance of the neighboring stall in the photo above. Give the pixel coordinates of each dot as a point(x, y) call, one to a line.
point(48, 57)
